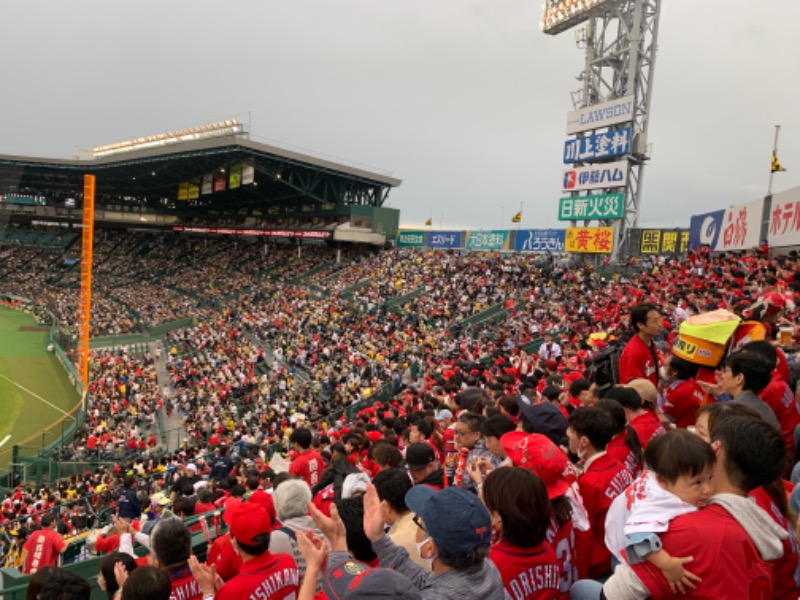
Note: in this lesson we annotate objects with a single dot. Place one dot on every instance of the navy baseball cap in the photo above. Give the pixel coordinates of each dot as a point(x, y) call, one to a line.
point(352, 580)
point(455, 518)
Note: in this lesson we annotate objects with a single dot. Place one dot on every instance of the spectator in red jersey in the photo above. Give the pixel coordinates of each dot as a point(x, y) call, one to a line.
point(309, 464)
point(778, 396)
point(682, 396)
point(624, 447)
point(579, 393)
point(732, 540)
point(603, 479)
point(638, 416)
point(43, 547)
point(262, 574)
point(222, 555)
point(520, 510)
point(639, 358)
point(537, 453)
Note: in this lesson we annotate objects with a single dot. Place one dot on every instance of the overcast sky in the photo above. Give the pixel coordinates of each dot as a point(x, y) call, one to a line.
point(464, 100)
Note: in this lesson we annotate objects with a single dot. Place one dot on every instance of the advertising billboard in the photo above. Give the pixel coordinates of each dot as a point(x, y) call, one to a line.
point(444, 239)
point(487, 240)
point(741, 227)
point(598, 206)
point(613, 112)
point(704, 229)
point(598, 146)
point(597, 240)
point(539, 240)
point(595, 177)
point(664, 241)
point(414, 239)
point(784, 219)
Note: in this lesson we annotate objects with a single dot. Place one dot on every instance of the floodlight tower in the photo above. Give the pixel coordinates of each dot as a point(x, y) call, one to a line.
point(620, 42)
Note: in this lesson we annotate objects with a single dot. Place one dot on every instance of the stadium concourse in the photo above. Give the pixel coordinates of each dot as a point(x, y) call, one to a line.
point(289, 352)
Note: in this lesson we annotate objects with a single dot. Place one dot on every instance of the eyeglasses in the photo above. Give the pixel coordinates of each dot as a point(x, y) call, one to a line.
point(463, 433)
point(419, 523)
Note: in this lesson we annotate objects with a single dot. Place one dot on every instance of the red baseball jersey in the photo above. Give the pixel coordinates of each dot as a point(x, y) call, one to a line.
point(724, 557)
point(309, 465)
point(42, 548)
point(273, 576)
point(604, 480)
point(647, 426)
point(224, 558)
point(785, 570)
point(528, 573)
point(636, 361)
point(619, 450)
point(779, 397)
point(562, 541)
point(682, 399)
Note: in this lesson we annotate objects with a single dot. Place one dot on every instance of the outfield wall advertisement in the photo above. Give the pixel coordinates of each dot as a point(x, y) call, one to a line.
point(784, 219)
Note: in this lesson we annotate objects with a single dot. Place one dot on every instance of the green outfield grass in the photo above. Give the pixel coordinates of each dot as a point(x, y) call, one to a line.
point(35, 391)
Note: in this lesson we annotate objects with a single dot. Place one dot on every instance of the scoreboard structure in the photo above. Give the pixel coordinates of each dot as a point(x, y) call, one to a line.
point(607, 149)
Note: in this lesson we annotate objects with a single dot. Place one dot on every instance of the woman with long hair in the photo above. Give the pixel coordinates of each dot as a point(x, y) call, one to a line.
point(519, 506)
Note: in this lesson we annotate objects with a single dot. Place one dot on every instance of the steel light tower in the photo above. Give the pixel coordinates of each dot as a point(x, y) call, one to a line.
point(620, 40)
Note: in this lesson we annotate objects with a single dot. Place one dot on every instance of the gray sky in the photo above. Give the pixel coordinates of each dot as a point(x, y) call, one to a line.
point(464, 100)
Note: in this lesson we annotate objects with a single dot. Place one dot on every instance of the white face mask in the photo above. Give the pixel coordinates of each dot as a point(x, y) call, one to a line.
point(428, 561)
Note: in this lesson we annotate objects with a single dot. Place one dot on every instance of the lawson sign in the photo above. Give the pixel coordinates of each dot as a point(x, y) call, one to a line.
point(600, 115)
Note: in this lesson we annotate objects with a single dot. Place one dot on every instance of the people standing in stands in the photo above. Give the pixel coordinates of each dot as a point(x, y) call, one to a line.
point(640, 358)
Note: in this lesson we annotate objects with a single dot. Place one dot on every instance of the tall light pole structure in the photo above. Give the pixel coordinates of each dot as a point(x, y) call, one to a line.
point(620, 38)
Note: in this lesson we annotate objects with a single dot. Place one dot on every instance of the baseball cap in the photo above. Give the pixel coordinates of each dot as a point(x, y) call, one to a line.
point(545, 417)
point(419, 455)
point(444, 414)
point(248, 520)
point(455, 518)
point(191, 467)
point(551, 392)
point(351, 580)
point(160, 499)
point(537, 453)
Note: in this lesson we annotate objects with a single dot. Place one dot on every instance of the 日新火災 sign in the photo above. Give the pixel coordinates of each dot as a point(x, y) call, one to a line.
point(598, 206)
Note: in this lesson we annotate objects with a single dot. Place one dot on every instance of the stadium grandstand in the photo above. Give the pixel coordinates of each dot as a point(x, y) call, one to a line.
point(199, 179)
point(248, 314)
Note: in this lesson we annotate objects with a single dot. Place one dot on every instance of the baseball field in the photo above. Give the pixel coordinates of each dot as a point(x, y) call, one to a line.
point(35, 392)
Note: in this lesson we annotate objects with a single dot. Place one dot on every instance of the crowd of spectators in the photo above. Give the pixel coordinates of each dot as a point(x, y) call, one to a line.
point(282, 351)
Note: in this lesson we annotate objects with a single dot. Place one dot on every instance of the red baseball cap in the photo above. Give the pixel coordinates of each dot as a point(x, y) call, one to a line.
point(249, 520)
point(535, 452)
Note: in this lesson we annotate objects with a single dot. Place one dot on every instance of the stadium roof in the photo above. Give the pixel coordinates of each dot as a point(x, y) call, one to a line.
point(153, 177)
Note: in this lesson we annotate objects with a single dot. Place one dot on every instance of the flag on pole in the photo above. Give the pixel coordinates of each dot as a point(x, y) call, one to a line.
point(776, 165)
point(429, 222)
point(517, 217)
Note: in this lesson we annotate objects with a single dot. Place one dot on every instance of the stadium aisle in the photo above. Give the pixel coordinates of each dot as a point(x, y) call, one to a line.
point(173, 425)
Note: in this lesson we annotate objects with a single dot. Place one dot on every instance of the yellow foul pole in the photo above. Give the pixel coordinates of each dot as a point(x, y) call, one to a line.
point(85, 303)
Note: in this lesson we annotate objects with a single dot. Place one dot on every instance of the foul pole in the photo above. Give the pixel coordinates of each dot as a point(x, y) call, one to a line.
point(85, 303)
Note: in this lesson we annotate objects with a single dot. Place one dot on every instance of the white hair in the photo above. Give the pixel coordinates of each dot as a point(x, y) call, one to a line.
point(291, 499)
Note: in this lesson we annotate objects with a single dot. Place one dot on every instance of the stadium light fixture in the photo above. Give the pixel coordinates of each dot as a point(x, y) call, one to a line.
point(560, 15)
point(220, 129)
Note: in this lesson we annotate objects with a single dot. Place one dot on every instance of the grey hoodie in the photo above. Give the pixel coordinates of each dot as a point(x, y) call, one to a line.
point(765, 533)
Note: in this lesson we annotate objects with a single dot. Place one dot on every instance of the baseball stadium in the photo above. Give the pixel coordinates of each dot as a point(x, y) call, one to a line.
point(221, 358)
